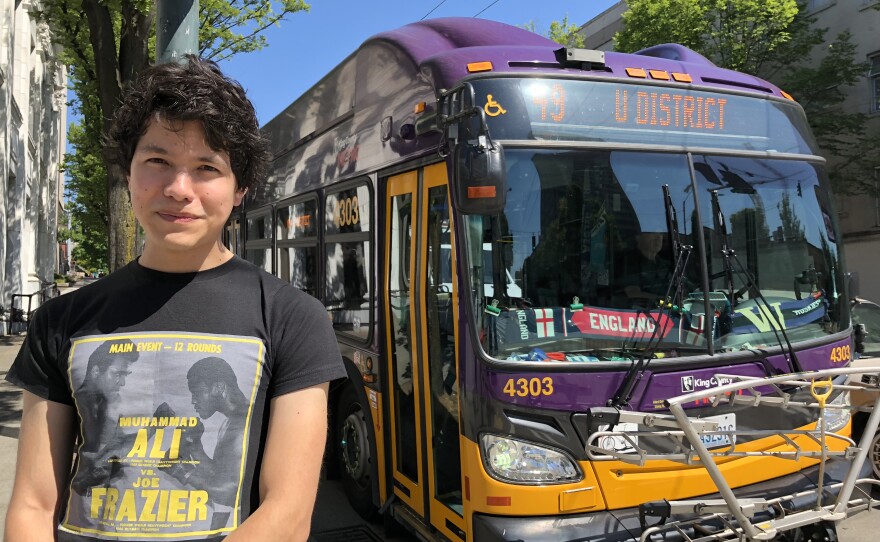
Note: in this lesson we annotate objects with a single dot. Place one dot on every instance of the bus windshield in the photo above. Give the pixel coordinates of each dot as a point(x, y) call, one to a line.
point(585, 237)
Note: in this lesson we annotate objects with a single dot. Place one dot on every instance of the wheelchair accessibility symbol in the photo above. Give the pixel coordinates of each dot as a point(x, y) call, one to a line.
point(493, 108)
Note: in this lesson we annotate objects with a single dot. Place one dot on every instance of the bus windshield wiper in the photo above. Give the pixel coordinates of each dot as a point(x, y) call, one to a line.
point(672, 298)
point(751, 285)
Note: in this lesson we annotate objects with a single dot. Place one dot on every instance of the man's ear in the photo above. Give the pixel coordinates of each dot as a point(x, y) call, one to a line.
point(218, 388)
point(239, 196)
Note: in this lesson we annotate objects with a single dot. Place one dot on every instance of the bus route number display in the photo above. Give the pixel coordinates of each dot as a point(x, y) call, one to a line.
point(633, 106)
point(627, 112)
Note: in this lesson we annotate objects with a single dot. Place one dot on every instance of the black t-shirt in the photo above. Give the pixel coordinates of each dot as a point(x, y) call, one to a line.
point(171, 376)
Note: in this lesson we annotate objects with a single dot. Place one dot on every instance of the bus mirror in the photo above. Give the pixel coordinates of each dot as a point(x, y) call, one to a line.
point(479, 187)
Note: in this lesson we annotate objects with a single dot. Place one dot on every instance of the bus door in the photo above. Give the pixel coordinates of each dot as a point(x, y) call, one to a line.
point(421, 307)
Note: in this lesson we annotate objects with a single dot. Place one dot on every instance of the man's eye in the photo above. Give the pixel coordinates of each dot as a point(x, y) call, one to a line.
point(208, 168)
point(155, 160)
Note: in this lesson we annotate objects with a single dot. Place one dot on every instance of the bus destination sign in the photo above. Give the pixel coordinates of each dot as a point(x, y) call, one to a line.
point(624, 112)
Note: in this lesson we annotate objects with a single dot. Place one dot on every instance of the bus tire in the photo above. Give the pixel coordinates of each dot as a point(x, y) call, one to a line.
point(353, 434)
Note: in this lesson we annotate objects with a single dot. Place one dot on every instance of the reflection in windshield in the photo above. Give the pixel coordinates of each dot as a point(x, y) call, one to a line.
point(581, 263)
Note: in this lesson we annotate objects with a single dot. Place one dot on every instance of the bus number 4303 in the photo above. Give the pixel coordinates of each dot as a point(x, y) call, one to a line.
point(529, 387)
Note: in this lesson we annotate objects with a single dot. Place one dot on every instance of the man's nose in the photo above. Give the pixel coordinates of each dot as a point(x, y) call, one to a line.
point(180, 186)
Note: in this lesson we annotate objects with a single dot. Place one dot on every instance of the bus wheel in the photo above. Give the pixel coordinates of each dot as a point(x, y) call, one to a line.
point(824, 531)
point(353, 452)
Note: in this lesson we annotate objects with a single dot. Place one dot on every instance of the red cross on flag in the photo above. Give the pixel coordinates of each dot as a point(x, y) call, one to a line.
point(544, 322)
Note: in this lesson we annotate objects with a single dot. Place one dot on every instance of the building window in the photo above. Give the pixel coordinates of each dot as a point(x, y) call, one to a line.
point(877, 198)
point(874, 78)
point(816, 5)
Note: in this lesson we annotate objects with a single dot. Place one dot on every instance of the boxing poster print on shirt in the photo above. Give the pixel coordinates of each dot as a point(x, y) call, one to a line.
point(164, 423)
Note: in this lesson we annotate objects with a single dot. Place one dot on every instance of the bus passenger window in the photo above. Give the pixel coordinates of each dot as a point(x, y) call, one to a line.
point(348, 260)
point(297, 244)
point(258, 244)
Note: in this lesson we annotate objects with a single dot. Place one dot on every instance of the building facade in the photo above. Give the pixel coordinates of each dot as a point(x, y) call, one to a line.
point(33, 133)
point(859, 216)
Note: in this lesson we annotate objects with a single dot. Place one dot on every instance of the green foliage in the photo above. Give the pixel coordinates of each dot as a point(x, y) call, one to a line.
point(566, 34)
point(652, 22)
point(227, 28)
point(736, 34)
point(773, 40)
point(562, 32)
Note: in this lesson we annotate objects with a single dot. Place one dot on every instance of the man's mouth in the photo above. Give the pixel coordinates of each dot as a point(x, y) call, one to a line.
point(178, 218)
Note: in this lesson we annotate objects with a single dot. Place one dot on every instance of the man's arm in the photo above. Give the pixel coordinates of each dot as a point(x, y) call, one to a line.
point(290, 469)
point(45, 452)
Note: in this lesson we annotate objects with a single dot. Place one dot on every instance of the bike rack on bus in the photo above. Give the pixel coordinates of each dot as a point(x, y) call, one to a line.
point(738, 515)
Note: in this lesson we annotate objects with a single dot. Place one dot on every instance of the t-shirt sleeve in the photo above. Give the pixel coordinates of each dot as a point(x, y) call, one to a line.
point(303, 345)
point(37, 368)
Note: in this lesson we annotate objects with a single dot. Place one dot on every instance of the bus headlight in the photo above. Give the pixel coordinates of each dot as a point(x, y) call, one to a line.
point(519, 462)
point(837, 418)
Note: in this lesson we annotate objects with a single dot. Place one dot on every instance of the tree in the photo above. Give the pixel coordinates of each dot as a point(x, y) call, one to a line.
point(105, 50)
point(774, 41)
point(561, 32)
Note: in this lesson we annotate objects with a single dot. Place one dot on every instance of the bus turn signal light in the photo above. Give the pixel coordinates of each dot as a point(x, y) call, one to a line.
point(636, 72)
point(787, 95)
point(475, 192)
point(419, 108)
point(475, 67)
point(682, 77)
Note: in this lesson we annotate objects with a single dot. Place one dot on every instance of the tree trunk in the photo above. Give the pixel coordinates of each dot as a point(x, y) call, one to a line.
point(114, 69)
point(122, 223)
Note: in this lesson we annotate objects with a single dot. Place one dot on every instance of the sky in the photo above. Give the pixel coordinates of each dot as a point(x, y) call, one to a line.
point(308, 45)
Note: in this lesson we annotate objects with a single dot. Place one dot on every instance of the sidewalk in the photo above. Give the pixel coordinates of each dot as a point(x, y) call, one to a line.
point(10, 416)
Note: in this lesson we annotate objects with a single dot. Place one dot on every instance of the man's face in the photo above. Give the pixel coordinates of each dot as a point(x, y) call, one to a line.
point(204, 399)
point(182, 193)
point(112, 379)
point(649, 244)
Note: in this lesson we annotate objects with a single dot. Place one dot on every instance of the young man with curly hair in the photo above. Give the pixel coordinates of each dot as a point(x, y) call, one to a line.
point(189, 141)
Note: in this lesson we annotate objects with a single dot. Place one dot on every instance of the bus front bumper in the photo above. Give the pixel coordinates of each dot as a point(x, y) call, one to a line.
point(624, 524)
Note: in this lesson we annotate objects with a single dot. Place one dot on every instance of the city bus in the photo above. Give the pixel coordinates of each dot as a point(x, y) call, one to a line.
point(580, 295)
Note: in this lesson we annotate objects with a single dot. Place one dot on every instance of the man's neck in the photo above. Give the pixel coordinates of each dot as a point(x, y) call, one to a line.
point(184, 262)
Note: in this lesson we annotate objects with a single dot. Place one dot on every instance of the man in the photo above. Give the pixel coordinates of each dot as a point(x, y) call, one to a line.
point(100, 398)
point(213, 385)
point(189, 141)
point(648, 277)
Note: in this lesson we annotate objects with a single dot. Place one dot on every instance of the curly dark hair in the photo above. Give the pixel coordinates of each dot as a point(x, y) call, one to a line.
point(196, 90)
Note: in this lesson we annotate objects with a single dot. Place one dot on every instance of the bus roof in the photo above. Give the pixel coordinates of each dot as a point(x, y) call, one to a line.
point(446, 46)
point(440, 50)
point(355, 114)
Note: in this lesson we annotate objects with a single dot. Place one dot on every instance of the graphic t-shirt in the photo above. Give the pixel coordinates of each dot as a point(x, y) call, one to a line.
point(171, 376)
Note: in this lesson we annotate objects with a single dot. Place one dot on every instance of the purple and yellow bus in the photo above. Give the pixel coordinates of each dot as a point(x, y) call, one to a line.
point(540, 262)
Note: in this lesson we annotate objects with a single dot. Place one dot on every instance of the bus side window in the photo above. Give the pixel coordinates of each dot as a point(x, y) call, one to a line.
point(348, 259)
point(258, 243)
point(297, 243)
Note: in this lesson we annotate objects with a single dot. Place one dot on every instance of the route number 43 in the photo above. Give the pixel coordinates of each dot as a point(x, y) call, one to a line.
point(529, 387)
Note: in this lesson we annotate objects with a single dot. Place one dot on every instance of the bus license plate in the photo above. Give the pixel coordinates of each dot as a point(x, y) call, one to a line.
point(726, 422)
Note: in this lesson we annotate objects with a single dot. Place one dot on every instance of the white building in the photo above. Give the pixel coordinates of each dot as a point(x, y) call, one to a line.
point(859, 216)
point(33, 133)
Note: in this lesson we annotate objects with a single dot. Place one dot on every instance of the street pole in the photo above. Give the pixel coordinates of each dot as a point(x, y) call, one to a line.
point(177, 29)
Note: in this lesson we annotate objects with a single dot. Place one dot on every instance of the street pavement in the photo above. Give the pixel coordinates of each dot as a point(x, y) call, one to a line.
point(333, 519)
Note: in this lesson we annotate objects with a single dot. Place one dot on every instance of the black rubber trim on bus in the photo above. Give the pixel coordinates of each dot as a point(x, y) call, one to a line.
point(358, 533)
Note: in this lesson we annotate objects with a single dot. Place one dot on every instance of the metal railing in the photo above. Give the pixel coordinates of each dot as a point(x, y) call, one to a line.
point(22, 306)
point(731, 517)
